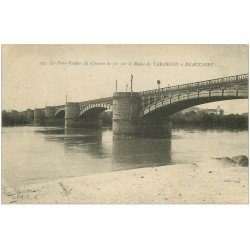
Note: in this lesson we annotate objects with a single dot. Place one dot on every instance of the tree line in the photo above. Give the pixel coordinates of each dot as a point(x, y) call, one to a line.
point(16, 118)
point(13, 118)
point(204, 120)
point(179, 120)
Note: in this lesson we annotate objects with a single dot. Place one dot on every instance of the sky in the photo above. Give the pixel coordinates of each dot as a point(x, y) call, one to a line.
point(36, 75)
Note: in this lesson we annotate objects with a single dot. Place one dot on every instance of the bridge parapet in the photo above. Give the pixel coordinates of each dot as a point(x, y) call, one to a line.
point(196, 85)
point(59, 107)
point(100, 100)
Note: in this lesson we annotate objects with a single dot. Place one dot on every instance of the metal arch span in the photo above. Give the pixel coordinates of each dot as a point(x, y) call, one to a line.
point(60, 113)
point(176, 98)
point(102, 104)
point(59, 109)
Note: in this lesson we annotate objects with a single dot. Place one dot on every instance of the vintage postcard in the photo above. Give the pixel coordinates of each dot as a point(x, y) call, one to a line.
point(125, 124)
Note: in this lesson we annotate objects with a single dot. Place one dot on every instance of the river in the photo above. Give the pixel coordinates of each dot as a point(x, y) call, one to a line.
point(39, 154)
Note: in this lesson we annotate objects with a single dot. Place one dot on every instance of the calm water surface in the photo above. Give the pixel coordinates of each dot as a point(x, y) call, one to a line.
point(38, 154)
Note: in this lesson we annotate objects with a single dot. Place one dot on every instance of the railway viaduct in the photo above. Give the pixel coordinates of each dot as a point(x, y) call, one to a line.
point(141, 114)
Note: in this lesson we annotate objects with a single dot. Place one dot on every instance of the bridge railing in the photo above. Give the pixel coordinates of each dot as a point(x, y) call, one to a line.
point(168, 90)
point(100, 100)
point(58, 106)
point(196, 84)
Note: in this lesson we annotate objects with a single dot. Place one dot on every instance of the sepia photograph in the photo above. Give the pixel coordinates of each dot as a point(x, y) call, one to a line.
point(125, 124)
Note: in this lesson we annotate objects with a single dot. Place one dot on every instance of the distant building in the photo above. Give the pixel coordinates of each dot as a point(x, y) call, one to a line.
point(217, 111)
point(192, 109)
point(197, 110)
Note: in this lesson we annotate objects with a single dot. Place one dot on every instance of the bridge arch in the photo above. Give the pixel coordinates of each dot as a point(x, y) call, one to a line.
point(89, 114)
point(60, 113)
point(92, 113)
point(173, 103)
point(94, 109)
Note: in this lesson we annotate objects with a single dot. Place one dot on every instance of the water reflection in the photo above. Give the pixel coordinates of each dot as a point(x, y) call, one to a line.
point(89, 141)
point(142, 152)
point(78, 140)
point(123, 152)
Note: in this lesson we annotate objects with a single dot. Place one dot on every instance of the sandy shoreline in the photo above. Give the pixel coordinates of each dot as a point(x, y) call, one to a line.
point(211, 182)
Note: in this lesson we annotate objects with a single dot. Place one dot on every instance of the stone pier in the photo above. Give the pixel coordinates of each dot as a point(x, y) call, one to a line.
point(39, 117)
point(50, 119)
point(72, 111)
point(127, 121)
point(126, 110)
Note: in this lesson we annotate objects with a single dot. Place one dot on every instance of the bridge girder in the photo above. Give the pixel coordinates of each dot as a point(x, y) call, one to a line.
point(175, 102)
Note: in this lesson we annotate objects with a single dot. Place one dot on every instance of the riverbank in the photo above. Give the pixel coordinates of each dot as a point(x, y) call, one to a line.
point(203, 120)
point(218, 181)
